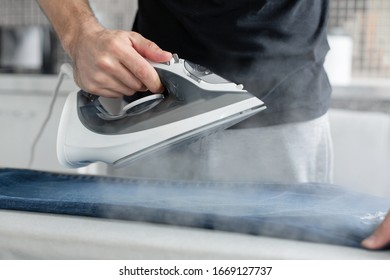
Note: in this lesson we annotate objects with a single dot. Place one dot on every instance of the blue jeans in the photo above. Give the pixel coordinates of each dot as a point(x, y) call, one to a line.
point(310, 212)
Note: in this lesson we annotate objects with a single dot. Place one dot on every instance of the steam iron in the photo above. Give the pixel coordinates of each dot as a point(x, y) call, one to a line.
point(196, 102)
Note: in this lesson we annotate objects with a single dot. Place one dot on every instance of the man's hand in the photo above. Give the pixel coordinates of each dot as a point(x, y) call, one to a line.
point(381, 237)
point(113, 63)
point(109, 63)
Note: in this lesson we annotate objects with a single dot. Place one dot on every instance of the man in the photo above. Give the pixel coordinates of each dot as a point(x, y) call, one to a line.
point(276, 49)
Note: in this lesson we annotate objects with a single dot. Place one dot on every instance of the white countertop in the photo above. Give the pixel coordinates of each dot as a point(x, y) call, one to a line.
point(38, 84)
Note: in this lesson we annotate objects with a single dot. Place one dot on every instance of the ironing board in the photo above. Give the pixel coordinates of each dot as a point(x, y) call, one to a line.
point(309, 212)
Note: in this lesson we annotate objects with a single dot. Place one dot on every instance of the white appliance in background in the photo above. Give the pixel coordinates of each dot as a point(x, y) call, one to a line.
point(22, 48)
point(338, 62)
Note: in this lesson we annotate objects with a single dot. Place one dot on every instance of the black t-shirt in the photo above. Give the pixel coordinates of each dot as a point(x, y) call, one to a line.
point(275, 48)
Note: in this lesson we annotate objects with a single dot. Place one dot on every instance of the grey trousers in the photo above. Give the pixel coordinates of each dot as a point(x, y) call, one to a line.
point(288, 153)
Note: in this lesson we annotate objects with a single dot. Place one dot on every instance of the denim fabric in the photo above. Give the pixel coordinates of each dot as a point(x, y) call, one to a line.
point(310, 212)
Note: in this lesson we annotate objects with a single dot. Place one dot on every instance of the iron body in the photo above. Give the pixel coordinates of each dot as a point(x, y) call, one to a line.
point(196, 103)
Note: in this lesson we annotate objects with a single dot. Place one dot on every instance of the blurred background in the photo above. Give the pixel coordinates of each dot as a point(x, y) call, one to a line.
point(23, 24)
point(364, 22)
point(358, 66)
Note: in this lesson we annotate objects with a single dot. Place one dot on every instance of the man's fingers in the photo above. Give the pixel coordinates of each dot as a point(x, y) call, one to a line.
point(149, 49)
point(381, 237)
point(142, 70)
point(106, 85)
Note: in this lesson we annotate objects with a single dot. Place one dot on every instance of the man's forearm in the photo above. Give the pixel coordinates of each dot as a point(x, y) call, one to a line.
point(68, 19)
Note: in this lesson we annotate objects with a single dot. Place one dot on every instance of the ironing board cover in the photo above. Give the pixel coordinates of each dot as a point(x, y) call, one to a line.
point(310, 212)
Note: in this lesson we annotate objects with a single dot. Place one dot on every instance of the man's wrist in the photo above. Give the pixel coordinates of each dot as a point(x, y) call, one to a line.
point(72, 35)
point(70, 19)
